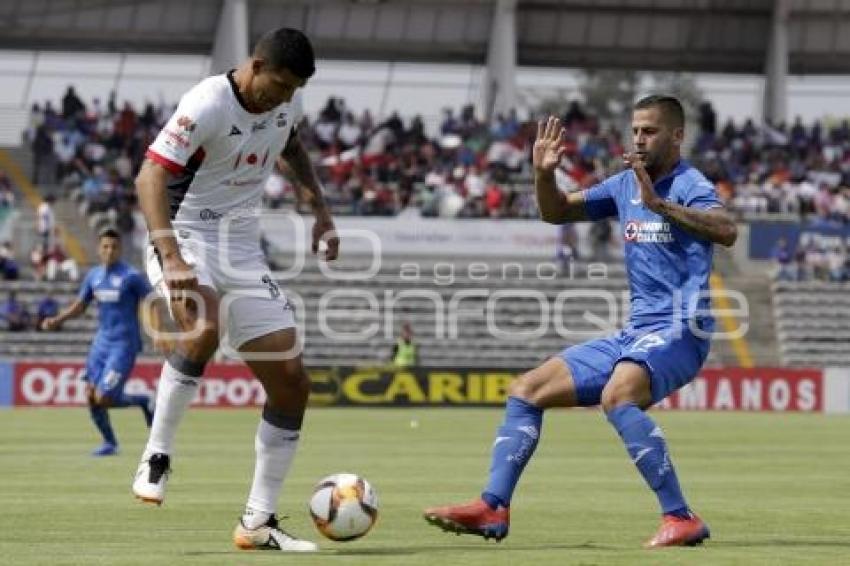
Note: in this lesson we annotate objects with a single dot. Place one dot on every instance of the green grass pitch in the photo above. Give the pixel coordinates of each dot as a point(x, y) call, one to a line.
point(774, 488)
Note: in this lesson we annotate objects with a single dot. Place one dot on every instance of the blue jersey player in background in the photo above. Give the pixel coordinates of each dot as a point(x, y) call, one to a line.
point(670, 217)
point(119, 291)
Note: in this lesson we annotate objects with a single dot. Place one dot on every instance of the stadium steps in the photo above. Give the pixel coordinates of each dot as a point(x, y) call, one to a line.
point(69, 216)
point(761, 336)
point(724, 262)
point(22, 155)
point(25, 235)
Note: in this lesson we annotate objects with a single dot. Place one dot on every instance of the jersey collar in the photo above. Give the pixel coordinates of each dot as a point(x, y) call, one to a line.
point(235, 88)
point(678, 169)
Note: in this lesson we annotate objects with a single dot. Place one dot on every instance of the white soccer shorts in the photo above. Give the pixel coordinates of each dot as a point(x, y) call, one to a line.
point(251, 302)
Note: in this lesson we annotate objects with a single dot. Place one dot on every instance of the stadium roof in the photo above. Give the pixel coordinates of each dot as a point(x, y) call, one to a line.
point(728, 36)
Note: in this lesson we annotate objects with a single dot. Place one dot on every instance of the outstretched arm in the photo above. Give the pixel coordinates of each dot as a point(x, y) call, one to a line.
point(713, 224)
point(300, 169)
point(73, 310)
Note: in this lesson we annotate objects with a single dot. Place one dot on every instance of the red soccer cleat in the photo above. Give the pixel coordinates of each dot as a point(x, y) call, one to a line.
point(676, 531)
point(474, 518)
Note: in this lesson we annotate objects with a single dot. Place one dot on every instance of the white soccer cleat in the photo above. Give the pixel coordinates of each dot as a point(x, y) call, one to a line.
point(270, 537)
point(151, 477)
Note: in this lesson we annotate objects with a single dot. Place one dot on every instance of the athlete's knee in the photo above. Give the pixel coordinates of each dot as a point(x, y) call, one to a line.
point(611, 399)
point(290, 389)
point(523, 387)
point(629, 384)
point(620, 393)
point(209, 339)
point(298, 383)
point(189, 364)
point(200, 329)
point(201, 343)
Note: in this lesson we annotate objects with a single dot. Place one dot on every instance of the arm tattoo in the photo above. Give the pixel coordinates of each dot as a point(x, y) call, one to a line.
point(303, 173)
point(713, 224)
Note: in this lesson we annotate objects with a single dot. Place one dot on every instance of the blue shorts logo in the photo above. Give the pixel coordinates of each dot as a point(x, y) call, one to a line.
point(647, 342)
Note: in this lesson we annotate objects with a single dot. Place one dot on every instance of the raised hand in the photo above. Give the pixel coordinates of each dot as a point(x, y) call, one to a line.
point(548, 147)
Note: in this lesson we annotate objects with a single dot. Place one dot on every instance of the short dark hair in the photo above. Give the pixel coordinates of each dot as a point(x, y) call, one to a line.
point(109, 233)
point(287, 48)
point(670, 107)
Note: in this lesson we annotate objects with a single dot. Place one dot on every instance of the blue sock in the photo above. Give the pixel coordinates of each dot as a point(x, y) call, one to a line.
point(515, 442)
point(645, 443)
point(100, 417)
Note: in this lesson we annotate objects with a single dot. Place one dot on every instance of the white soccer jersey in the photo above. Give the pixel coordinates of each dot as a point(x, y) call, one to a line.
point(221, 156)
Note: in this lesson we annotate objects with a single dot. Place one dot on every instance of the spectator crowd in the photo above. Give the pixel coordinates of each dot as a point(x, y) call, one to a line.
point(776, 169)
point(466, 168)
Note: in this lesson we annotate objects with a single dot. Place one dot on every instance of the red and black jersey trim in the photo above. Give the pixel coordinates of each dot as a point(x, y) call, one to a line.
point(235, 88)
point(178, 188)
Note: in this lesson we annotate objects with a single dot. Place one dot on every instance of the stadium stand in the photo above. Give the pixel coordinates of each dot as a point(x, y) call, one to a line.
point(470, 169)
point(391, 167)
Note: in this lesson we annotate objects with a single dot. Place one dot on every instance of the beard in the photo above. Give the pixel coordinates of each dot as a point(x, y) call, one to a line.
point(654, 161)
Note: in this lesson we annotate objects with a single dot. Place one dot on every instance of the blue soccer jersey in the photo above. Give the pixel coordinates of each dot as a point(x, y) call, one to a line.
point(118, 290)
point(668, 272)
point(668, 268)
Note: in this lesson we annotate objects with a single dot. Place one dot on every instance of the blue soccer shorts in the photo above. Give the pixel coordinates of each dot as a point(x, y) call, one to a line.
point(672, 355)
point(108, 367)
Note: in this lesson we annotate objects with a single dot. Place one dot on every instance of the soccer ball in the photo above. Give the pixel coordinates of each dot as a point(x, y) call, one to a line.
point(344, 506)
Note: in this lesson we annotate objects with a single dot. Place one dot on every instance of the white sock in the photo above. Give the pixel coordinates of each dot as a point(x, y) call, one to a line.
point(253, 519)
point(275, 448)
point(173, 396)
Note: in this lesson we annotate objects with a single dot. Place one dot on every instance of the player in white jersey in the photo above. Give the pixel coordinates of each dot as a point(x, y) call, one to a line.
point(198, 189)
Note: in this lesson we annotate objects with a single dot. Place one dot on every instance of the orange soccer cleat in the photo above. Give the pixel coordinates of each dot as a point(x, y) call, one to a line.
point(474, 518)
point(678, 531)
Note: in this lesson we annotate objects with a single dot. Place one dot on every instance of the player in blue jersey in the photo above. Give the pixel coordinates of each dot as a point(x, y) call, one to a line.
point(670, 217)
point(119, 291)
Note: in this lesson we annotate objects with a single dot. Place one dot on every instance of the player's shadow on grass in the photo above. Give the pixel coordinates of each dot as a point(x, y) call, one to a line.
point(423, 549)
point(466, 547)
point(825, 543)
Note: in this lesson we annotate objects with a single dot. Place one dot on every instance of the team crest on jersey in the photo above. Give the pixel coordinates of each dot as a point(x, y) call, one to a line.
point(647, 232)
point(115, 280)
point(281, 120)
